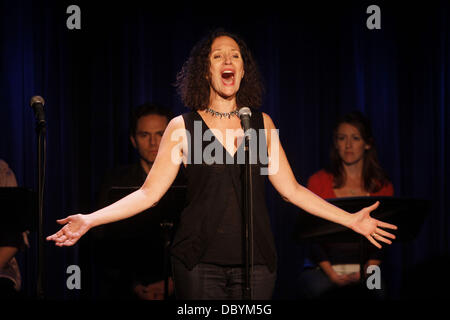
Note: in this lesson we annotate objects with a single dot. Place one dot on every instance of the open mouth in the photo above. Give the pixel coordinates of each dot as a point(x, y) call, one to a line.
point(228, 77)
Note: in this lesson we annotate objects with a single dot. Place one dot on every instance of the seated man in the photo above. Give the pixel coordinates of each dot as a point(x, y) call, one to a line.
point(131, 252)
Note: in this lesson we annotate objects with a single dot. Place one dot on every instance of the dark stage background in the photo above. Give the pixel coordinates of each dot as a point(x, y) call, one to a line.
point(317, 61)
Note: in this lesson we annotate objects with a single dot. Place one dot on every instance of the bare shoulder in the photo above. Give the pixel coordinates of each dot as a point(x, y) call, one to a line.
point(176, 123)
point(3, 165)
point(268, 123)
point(174, 132)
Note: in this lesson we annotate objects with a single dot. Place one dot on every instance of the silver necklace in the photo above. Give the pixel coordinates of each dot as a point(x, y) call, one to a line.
point(223, 114)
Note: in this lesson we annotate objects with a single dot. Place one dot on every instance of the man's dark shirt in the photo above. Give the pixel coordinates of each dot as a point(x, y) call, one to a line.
point(131, 251)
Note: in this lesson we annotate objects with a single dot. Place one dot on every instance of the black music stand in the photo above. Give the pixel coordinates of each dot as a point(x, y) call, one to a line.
point(161, 218)
point(407, 214)
point(19, 209)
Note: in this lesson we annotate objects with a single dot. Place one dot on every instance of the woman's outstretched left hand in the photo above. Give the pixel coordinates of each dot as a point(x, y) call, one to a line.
point(369, 227)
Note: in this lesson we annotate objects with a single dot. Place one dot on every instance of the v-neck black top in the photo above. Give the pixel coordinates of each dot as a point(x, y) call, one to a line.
point(210, 228)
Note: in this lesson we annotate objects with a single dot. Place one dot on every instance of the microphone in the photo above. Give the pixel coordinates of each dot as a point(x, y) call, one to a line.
point(37, 103)
point(244, 114)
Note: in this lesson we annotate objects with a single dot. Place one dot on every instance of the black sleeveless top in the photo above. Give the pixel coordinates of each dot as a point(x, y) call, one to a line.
point(210, 227)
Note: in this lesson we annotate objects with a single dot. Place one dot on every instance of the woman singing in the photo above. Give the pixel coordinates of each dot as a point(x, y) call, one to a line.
point(219, 77)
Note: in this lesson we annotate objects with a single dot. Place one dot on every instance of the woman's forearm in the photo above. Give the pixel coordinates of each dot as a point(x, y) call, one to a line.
point(327, 269)
point(126, 207)
point(310, 202)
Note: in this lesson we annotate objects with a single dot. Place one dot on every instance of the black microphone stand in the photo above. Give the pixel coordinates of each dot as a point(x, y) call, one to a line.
point(248, 220)
point(41, 161)
point(166, 229)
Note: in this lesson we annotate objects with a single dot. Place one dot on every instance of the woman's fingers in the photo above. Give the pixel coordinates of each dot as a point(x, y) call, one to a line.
point(65, 236)
point(386, 225)
point(372, 240)
point(381, 238)
point(369, 209)
point(381, 223)
point(384, 233)
point(61, 231)
point(374, 206)
point(62, 238)
point(63, 221)
point(59, 239)
point(55, 235)
point(68, 242)
point(50, 237)
point(379, 235)
point(65, 241)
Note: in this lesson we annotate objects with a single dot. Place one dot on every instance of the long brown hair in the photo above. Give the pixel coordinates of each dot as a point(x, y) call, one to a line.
point(192, 84)
point(373, 175)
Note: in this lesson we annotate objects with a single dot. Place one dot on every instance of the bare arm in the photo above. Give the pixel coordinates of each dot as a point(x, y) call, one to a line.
point(158, 181)
point(283, 180)
point(6, 254)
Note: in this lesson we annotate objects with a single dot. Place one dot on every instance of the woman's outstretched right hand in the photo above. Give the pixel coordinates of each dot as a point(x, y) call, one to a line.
point(75, 226)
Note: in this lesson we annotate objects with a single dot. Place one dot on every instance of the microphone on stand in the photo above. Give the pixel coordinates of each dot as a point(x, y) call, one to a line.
point(245, 114)
point(37, 104)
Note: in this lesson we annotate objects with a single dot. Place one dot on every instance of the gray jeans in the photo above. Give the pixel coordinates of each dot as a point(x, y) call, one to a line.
point(214, 282)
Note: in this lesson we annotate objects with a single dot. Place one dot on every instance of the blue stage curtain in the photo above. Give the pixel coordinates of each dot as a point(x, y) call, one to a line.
point(317, 62)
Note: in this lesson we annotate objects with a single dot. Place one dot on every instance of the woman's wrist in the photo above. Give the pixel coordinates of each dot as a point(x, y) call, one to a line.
point(349, 221)
point(91, 220)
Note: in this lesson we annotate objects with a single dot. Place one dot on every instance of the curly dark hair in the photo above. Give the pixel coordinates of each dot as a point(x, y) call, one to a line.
point(373, 175)
point(192, 81)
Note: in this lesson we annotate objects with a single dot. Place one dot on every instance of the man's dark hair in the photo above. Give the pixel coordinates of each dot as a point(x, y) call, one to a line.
point(145, 110)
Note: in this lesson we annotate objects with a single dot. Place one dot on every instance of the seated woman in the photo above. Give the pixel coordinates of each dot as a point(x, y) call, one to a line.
point(354, 171)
